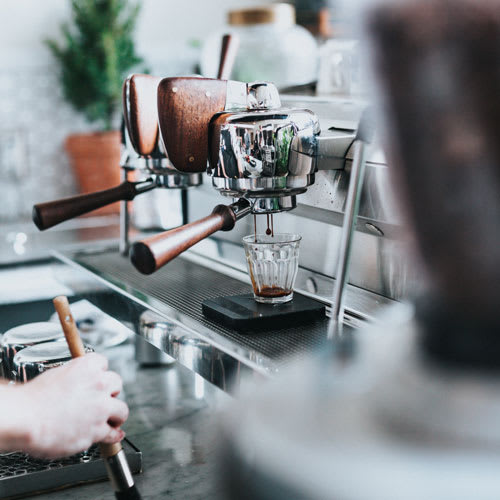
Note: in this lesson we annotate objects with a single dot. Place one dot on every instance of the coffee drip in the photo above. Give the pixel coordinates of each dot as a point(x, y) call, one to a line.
point(270, 229)
point(270, 226)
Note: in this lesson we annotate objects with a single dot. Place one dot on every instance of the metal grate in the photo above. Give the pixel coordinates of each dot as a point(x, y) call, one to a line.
point(16, 464)
point(22, 475)
point(184, 285)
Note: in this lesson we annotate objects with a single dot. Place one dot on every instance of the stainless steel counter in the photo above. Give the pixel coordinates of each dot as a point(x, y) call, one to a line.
point(22, 243)
point(175, 293)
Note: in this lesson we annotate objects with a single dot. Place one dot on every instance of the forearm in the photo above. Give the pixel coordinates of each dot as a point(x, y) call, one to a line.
point(15, 426)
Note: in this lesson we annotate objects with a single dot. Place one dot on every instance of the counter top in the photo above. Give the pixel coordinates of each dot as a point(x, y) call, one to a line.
point(21, 243)
point(172, 421)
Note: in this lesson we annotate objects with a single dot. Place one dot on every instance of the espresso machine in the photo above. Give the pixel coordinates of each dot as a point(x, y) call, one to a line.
point(258, 152)
point(254, 150)
point(143, 158)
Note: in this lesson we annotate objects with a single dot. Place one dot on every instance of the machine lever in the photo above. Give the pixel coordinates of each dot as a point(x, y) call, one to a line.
point(46, 215)
point(152, 253)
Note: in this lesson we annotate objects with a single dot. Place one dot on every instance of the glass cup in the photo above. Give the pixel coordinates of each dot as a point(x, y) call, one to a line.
point(272, 263)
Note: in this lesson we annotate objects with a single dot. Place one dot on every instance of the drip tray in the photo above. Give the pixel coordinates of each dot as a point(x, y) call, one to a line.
point(21, 475)
point(179, 289)
point(243, 313)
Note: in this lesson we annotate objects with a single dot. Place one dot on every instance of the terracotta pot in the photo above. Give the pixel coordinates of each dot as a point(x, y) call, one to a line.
point(95, 159)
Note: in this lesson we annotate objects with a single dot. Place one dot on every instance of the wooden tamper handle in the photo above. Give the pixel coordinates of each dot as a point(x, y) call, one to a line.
point(77, 349)
point(113, 454)
point(51, 213)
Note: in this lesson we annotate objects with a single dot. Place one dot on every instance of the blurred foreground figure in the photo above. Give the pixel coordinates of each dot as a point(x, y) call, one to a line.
point(416, 413)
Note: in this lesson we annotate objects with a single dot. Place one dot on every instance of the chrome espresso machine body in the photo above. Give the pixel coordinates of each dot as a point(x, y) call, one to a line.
point(259, 152)
point(265, 153)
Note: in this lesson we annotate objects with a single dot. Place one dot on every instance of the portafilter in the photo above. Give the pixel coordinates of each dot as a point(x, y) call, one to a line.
point(148, 159)
point(257, 151)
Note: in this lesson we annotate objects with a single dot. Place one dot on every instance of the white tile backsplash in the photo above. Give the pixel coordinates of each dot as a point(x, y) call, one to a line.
point(34, 121)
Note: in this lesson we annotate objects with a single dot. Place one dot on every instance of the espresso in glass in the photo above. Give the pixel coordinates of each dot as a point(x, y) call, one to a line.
point(272, 264)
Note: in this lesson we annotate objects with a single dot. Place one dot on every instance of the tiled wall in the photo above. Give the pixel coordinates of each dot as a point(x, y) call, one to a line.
point(34, 121)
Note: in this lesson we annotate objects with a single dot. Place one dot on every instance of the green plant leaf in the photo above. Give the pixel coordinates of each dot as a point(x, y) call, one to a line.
point(96, 55)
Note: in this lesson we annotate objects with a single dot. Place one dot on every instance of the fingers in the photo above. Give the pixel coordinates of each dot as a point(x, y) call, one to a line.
point(113, 436)
point(111, 383)
point(96, 362)
point(90, 363)
point(118, 412)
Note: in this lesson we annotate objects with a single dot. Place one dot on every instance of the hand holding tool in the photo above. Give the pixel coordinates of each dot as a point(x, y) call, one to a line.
point(113, 455)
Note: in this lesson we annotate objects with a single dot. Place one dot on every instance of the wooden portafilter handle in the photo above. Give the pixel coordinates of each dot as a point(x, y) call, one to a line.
point(114, 457)
point(51, 213)
point(152, 253)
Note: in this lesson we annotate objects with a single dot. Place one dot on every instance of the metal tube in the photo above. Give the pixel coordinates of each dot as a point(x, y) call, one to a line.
point(124, 218)
point(351, 213)
point(119, 471)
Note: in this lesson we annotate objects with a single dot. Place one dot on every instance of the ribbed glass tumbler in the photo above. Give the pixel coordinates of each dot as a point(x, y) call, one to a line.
point(272, 263)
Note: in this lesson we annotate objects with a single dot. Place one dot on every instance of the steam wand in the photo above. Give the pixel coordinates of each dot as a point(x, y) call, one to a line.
point(363, 137)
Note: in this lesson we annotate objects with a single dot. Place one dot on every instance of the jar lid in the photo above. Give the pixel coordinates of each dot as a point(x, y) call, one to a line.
point(278, 13)
point(49, 352)
point(33, 333)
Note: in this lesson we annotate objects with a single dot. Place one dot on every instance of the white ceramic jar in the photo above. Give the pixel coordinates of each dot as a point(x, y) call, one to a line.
point(271, 47)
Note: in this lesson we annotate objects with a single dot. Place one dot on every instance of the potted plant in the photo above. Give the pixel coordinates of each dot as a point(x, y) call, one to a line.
point(96, 55)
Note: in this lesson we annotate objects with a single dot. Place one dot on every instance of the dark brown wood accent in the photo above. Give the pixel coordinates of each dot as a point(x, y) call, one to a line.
point(152, 253)
point(185, 107)
point(229, 50)
point(141, 112)
point(46, 215)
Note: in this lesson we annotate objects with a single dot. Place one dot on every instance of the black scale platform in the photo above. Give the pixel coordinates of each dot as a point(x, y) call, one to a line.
point(244, 314)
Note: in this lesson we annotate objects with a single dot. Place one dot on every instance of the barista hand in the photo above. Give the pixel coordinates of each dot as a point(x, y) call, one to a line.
point(65, 410)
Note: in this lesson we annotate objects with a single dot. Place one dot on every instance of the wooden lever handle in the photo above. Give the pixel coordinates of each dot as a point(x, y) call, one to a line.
point(229, 50)
point(46, 215)
point(141, 112)
point(185, 108)
point(152, 253)
point(77, 350)
point(68, 325)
